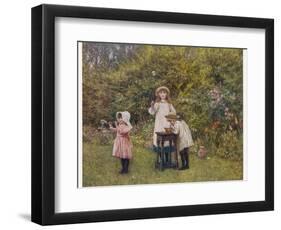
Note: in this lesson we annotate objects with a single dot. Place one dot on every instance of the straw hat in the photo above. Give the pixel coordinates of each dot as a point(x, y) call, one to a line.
point(162, 88)
point(172, 116)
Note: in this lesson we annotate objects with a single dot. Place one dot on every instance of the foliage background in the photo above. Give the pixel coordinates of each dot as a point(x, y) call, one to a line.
point(206, 87)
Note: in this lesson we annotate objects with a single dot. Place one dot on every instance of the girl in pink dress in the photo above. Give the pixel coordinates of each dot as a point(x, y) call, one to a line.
point(122, 147)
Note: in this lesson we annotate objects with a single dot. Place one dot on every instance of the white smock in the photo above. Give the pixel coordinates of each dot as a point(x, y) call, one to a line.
point(184, 139)
point(160, 110)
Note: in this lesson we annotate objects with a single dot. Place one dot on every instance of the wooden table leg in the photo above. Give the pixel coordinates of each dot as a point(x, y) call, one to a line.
point(176, 152)
point(157, 162)
point(162, 156)
point(170, 153)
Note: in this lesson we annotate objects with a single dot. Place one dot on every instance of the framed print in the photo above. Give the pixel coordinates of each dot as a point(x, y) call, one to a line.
point(143, 114)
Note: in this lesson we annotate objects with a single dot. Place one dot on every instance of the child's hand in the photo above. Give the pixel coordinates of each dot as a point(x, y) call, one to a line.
point(116, 123)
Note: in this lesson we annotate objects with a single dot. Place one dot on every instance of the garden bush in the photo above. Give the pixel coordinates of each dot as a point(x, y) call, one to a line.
point(231, 146)
point(206, 86)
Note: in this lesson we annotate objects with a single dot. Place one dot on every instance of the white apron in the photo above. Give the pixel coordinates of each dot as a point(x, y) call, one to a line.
point(160, 110)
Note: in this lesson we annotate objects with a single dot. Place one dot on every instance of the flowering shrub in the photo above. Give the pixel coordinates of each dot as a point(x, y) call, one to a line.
point(230, 146)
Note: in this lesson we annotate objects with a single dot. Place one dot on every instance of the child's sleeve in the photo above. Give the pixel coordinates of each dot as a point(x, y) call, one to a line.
point(153, 109)
point(113, 129)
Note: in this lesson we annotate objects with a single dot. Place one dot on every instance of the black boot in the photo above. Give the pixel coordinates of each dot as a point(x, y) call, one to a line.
point(186, 156)
point(185, 159)
point(123, 166)
point(182, 161)
point(126, 168)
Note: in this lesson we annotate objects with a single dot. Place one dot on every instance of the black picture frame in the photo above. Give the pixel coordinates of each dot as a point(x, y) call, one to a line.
point(43, 114)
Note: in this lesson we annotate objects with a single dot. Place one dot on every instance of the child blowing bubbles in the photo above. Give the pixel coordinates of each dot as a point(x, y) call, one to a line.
point(184, 140)
point(160, 109)
point(122, 147)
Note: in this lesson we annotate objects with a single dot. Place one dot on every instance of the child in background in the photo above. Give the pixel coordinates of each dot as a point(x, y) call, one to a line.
point(122, 147)
point(184, 140)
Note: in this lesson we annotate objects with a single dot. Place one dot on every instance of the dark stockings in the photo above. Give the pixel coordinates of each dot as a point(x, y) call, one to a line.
point(167, 157)
point(184, 159)
point(122, 166)
point(125, 166)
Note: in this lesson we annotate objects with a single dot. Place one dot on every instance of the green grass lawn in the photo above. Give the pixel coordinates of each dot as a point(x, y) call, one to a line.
point(100, 168)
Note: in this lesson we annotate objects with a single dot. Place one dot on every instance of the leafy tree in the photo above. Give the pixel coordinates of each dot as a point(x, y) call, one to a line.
point(206, 85)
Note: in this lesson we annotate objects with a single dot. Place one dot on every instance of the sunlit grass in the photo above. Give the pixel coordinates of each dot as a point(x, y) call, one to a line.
point(100, 168)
